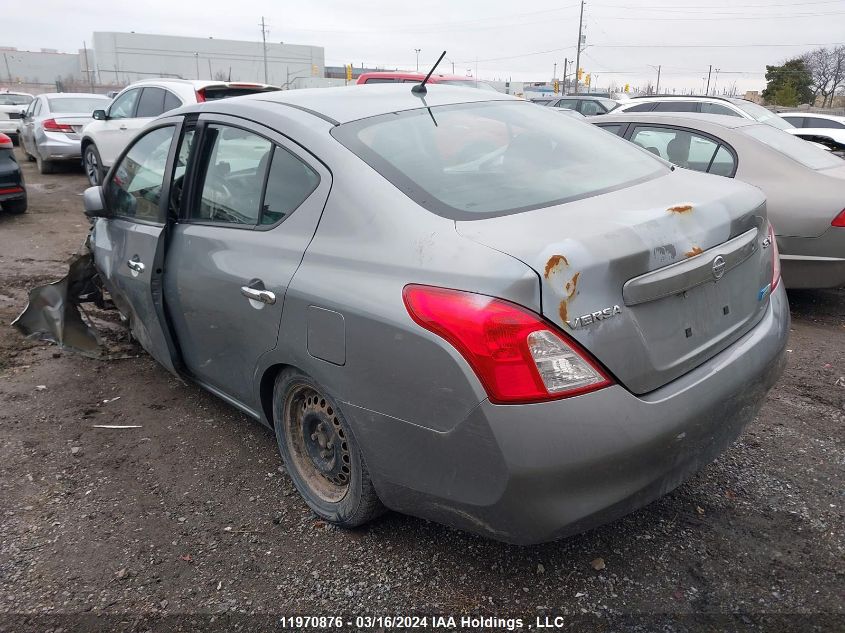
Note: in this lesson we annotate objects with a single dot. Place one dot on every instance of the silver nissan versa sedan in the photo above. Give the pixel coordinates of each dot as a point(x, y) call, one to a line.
point(453, 304)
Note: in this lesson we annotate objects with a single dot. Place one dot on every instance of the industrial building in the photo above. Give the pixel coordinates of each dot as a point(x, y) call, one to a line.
point(116, 59)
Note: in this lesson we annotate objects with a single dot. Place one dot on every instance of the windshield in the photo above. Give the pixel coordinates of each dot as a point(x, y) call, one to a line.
point(86, 105)
point(795, 148)
point(759, 113)
point(483, 159)
point(8, 99)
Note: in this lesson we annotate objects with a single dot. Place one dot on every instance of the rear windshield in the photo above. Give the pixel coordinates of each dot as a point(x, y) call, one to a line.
point(476, 160)
point(761, 114)
point(212, 93)
point(7, 99)
point(795, 148)
point(80, 105)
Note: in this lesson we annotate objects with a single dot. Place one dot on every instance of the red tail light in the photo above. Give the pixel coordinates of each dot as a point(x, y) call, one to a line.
point(517, 356)
point(775, 258)
point(5, 142)
point(6, 190)
point(51, 126)
point(201, 95)
point(839, 220)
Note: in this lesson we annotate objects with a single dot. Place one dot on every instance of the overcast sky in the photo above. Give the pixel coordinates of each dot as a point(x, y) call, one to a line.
point(510, 39)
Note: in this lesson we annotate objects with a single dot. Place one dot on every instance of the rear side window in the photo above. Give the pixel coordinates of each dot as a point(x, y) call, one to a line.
point(613, 128)
point(591, 108)
point(475, 160)
point(677, 106)
point(171, 101)
point(233, 163)
point(212, 93)
point(289, 183)
point(380, 80)
point(151, 103)
point(686, 149)
point(825, 123)
point(569, 104)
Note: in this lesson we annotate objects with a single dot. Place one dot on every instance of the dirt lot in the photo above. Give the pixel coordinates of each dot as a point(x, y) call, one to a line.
point(192, 515)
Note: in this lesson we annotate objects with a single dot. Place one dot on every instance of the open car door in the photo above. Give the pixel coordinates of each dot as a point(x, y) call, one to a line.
point(128, 242)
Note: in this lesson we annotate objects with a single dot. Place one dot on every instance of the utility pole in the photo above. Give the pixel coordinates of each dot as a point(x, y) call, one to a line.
point(197, 60)
point(716, 81)
point(563, 85)
point(8, 72)
point(264, 46)
point(87, 67)
point(708, 79)
point(657, 88)
point(578, 53)
point(417, 51)
point(554, 72)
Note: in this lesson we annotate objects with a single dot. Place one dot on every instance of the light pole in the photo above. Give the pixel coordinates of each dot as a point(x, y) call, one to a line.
point(657, 68)
point(578, 50)
point(417, 51)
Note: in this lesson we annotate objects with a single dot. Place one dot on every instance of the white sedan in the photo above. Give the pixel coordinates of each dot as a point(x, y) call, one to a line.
point(826, 129)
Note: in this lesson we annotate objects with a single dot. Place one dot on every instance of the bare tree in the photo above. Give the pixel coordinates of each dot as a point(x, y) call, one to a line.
point(827, 71)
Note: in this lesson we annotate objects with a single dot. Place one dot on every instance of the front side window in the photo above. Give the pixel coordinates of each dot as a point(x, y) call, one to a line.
point(134, 191)
point(569, 104)
point(685, 149)
point(124, 106)
point(591, 108)
point(475, 160)
point(717, 108)
point(796, 121)
point(233, 164)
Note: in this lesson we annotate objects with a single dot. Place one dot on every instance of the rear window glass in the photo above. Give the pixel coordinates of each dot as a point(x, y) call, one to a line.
point(477, 160)
point(77, 105)
point(795, 148)
point(212, 93)
point(10, 99)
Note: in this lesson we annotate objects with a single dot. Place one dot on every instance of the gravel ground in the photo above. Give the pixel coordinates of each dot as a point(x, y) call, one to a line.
point(189, 521)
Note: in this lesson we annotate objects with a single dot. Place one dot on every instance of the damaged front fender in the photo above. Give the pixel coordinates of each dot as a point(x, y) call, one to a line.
point(53, 311)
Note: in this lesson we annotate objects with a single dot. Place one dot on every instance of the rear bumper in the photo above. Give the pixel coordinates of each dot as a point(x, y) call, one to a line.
point(814, 262)
point(56, 148)
point(9, 127)
point(533, 473)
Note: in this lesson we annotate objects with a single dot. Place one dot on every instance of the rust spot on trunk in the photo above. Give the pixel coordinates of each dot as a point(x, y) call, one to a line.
point(553, 262)
point(696, 250)
point(682, 208)
point(572, 285)
point(564, 312)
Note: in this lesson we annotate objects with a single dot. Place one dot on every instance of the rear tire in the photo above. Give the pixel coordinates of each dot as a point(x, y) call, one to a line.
point(15, 207)
point(44, 166)
point(320, 453)
point(93, 165)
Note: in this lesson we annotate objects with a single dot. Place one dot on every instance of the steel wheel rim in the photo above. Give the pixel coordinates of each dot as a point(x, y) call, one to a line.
point(317, 444)
point(91, 167)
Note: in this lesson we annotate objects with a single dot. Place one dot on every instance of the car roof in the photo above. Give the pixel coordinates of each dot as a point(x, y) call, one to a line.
point(359, 101)
point(72, 94)
point(679, 118)
point(195, 83)
point(401, 74)
point(689, 98)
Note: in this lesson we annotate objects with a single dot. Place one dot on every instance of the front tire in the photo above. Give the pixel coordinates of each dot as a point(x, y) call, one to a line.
point(320, 453)
point(93, 165)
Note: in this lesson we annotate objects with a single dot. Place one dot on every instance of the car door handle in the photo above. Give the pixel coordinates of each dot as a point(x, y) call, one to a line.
point(264, 296)
point(135, 265)
point(122, 127)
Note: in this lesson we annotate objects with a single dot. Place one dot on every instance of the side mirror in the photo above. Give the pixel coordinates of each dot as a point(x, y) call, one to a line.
point(99, 115)
point(23, 113)
point(92, 200)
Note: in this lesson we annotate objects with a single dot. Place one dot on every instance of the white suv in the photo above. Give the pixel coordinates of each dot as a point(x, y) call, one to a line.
point(727, 106)
point(104, 138)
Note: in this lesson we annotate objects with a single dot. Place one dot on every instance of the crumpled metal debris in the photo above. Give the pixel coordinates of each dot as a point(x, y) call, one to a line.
point(53, 312)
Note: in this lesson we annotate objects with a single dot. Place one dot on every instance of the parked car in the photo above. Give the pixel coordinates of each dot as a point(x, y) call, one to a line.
point(804, 185)
point(588, 105)
point(392, 77)
point(11, 104)
point(727, 106)
point(826, 129)
point(510, 339)
point(104, 138)
point(12, 187)
point(50, 127)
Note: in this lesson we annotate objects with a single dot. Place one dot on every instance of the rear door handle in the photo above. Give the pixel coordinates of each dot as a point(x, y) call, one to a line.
point(264, 296)
point(135, 265)
point(122, 127)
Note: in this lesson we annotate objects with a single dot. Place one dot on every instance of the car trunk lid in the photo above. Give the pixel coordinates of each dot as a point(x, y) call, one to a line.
point(632, 274)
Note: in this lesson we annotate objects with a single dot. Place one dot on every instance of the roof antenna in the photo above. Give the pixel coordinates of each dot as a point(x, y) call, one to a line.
point(419, 89)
